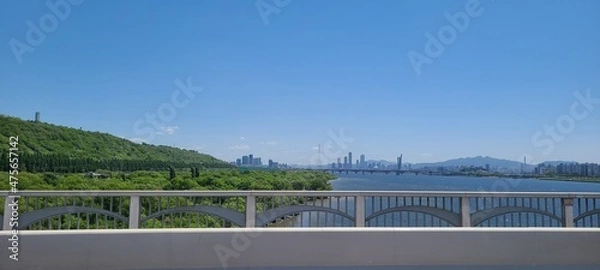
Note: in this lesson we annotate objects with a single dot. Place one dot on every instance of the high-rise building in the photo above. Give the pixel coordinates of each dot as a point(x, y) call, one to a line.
point(399, 162)
point(270, 163)
point(258, 162)
point(339, 162)
point(350, 159)
point(238, 162)
point(362, 161)
point(250, 159)
point(345, 162)
point(245, 160)
point(487, 167)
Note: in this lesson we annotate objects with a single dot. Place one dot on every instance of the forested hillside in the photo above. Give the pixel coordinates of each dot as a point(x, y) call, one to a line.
point(46, 147)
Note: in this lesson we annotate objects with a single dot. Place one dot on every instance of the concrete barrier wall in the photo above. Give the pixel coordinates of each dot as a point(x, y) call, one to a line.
point(302, 248)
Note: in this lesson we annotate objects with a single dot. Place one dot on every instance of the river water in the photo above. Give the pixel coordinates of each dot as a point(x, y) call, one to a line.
point(383, 182)
point(456, 183)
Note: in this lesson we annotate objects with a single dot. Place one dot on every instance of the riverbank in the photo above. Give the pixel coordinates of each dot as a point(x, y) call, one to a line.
point(585, 180)
point(531, 177)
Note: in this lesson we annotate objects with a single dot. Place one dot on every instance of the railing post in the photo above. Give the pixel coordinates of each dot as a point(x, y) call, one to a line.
point(359, 208)
point(134, 212)
point(567, 207)
point(7, 213)
point(465, 211)
point(250, 211)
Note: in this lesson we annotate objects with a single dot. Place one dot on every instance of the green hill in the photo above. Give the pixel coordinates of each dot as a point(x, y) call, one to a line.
point(48, 147)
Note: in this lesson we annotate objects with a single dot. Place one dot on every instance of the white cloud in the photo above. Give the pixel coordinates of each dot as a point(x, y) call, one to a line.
point(243, 138)
point(270, 143)
point(137, 140)
point(240, 147)
point(169, 130)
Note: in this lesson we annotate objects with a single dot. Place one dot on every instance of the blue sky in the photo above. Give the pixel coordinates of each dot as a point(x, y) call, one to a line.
point(279, 87)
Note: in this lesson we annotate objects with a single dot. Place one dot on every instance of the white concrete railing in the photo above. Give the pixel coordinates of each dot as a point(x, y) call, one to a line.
point(51, 210)
point(307, 248)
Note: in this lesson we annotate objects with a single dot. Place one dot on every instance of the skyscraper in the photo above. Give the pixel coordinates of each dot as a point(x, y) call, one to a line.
point(250, 159)
point(245, 160)
point(350, 159)
point(345, 162)
point(238, 162)
point(400, 162)
point(362, 161)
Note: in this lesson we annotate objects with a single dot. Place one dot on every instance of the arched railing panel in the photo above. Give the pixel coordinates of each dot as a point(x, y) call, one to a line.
point(450, 217)
point(587, 214)
point(275, 213)
point(481, 216)
point(29, 218)
point(227, 214)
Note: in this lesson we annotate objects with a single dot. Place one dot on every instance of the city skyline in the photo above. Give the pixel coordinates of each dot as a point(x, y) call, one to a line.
point(505, 86)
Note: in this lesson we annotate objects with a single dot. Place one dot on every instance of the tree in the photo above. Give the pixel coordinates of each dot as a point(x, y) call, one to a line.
point(171, 173)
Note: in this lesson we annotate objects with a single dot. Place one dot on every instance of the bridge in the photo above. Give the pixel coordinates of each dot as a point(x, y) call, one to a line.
point(371, 171)
point(303, 229)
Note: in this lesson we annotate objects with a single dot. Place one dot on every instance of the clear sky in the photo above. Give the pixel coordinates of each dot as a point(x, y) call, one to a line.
point(280, 80)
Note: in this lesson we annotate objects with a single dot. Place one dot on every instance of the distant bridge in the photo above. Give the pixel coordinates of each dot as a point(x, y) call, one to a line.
point(372, 171)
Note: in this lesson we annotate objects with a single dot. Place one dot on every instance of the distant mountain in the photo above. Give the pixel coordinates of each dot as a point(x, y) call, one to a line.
point(478, 161)
point(383, 162)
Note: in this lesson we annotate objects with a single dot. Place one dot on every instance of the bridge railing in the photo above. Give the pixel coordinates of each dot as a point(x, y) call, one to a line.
point(73, 210)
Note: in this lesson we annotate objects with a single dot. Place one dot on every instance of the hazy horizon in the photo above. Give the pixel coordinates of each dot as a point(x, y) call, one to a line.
point(229, 79)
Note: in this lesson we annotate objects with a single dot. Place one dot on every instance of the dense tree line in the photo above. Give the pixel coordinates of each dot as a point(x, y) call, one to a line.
point(56, 163)
point(222, 179)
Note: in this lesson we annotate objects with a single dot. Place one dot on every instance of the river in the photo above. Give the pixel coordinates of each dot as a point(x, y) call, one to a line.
point(383, 182)
point(456, 183)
